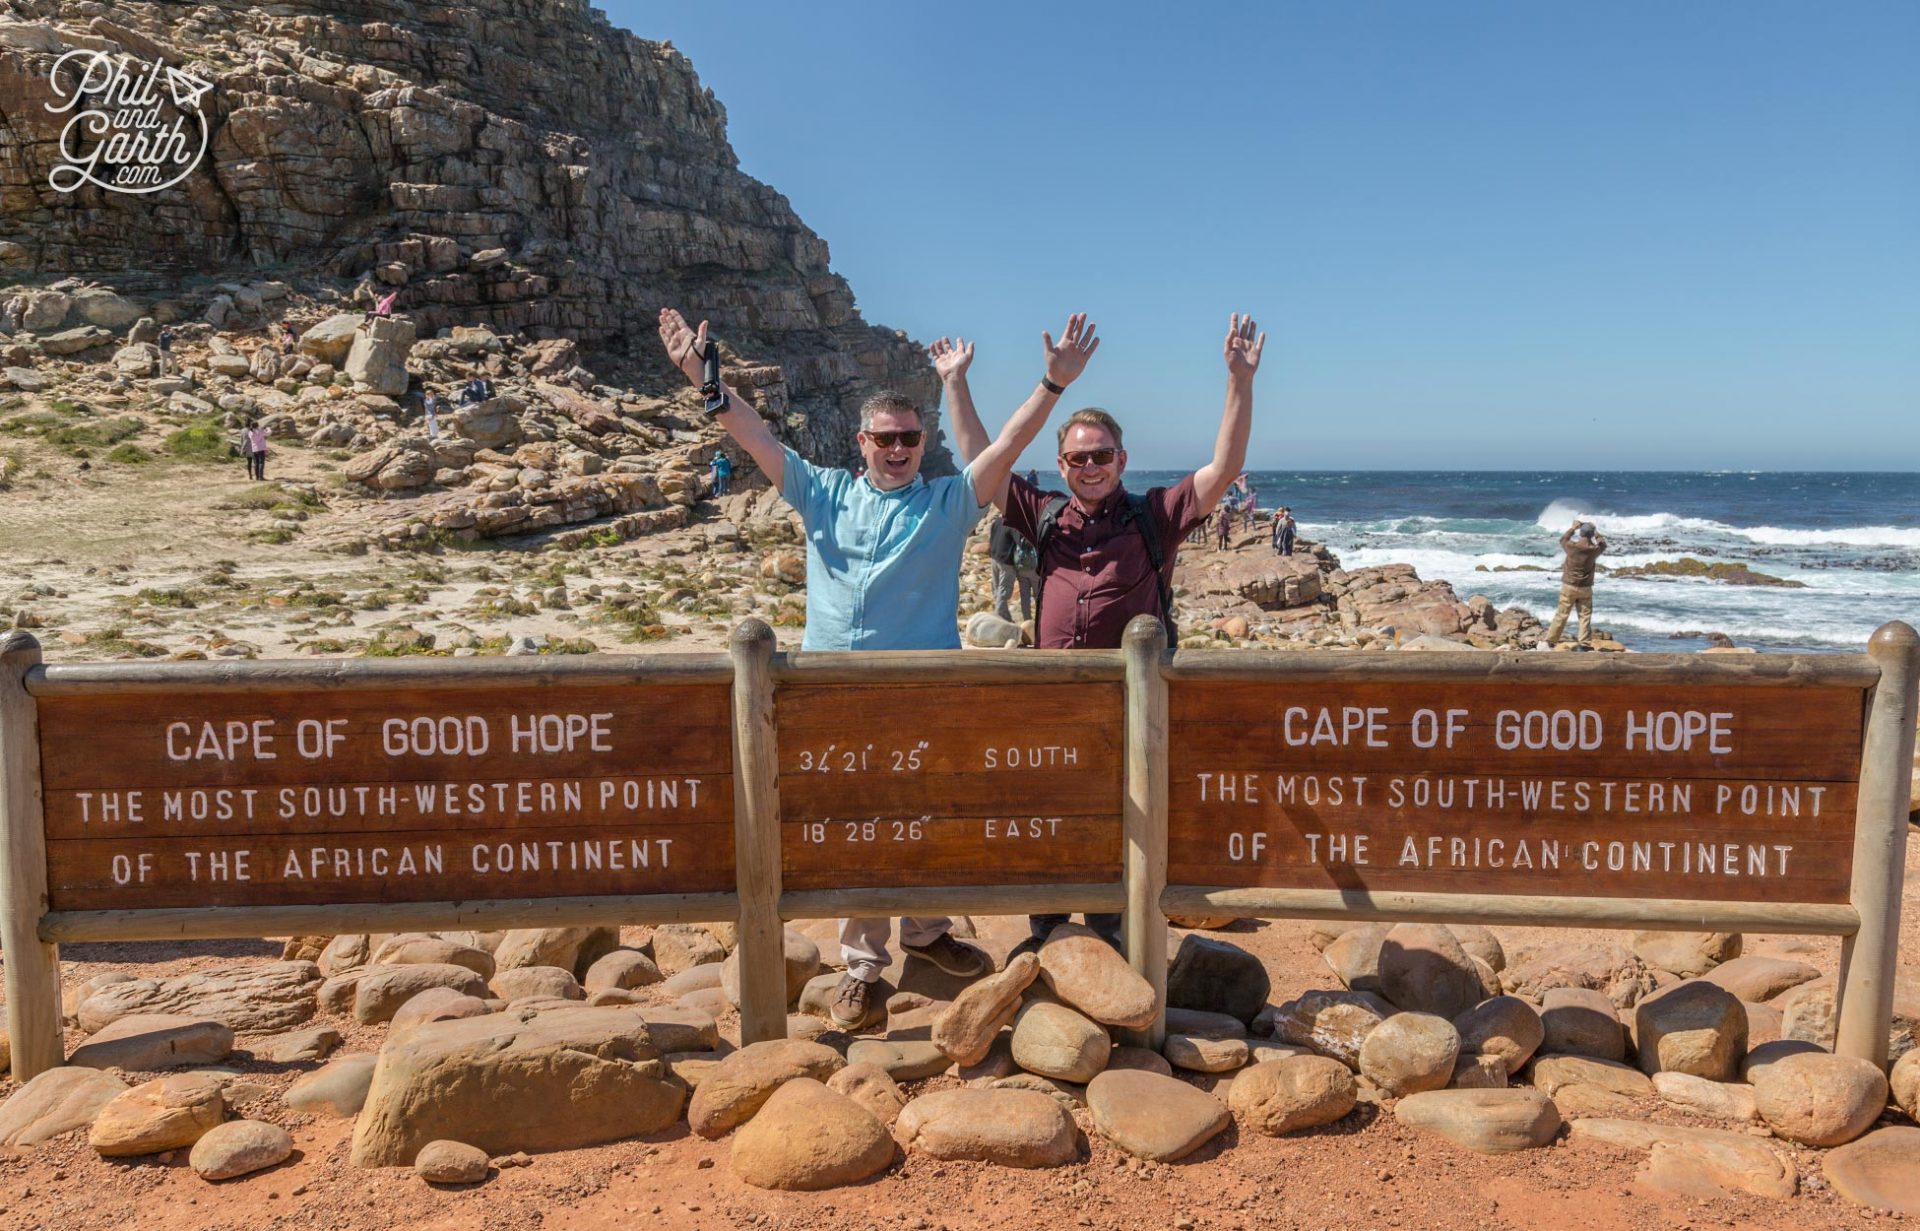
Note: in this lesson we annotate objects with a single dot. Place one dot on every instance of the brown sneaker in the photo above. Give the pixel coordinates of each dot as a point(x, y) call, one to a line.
point(953, 957)
point(852, 1004)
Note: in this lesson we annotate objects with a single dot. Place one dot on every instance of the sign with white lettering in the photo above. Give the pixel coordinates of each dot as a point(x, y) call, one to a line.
point(895, 785)
point(234, 797)
point(1644, 791)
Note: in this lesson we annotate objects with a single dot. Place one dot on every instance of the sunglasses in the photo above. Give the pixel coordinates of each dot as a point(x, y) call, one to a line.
point(1080, 458)
point(885, 439)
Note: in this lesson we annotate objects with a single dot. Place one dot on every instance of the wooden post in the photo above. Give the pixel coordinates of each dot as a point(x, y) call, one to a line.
point(1864, 1005)
point(1145, 867)
point(756, 836)
point(33, 966)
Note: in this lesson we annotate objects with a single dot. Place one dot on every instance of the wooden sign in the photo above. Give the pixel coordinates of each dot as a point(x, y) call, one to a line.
point(895, 785)
point(1731, 794)
point(238, 797)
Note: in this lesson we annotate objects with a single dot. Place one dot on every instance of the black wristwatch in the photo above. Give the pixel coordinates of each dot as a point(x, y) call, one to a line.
point(1050, 387)
point(710, 387)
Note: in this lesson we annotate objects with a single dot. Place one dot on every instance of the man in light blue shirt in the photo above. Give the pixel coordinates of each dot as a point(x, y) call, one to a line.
point(883, 567)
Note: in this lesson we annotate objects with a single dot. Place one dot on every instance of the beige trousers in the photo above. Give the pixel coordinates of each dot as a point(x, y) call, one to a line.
point(1573, 598)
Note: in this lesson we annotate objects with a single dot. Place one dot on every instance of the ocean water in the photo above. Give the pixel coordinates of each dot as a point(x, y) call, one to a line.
point(1852, 539)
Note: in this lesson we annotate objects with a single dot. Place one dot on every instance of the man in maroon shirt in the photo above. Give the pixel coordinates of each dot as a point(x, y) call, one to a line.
point(1097, 565)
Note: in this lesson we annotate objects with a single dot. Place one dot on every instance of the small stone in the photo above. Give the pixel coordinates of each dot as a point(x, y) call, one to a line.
point(1217, 977)
point(1202, 1024)
point(621, 970)
point(1718, 1100)
point(379, 991)
point(1008, 1127)
point(1423, 969)
point(1903, 1083)
point(1354, 957)
point(1506, 1027)
point(1410, 1052)
point(450, 1162)
point(1160, 1119)
point(1880, 1171)
point(1488, 1121)
point(966, 1029)
point(148, 1042)
point(1331, 1023)
point(870, 1086)
point(1709, 1170)
point(682, 946)
point(1284, 1096)
point(1778, 1049)
point(165, 1114)
point(1087, 973)
point(1554, 1073)
point(1199, 1054)
point(1694, 1027)
point(1752, 976)
point(1817, 1099)
point(741, 1084)
point(1066, 1093)
point(339, 1089)
point(1140, 1058)
point(313, 1043)
point(1687, 954)
point(1054, 1041)
point(436, 1004)
point(807, 1137)
point(536, 982)
point(1478, 1072)
point(902, 1059)
point(55, 1102)
point(1581, 1021)
point(239, 1147)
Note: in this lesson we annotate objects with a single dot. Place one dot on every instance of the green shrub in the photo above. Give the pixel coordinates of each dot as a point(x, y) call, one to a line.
point(129, 455)
point(205, 441)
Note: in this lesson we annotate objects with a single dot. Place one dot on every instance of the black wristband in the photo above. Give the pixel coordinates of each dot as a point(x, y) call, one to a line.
point(1050, 387)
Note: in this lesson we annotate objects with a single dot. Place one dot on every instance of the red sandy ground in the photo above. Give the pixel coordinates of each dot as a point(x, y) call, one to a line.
point(1365, 1172)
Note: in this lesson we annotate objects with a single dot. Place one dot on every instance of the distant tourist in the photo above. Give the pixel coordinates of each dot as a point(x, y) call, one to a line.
point(166, 350)
point(287, 337)
point(1107, 555)
point(722, 472)
point(255, 439)
point(1283, 530)
point(476, 390)
point(883, 572)
point(382, 307)
point(430, 408)
point(1014, 563)
point(1222, 527)
point(1583, 544)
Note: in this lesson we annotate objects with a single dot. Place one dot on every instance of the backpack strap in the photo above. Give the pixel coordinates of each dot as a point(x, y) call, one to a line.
point(1042, 531)
point(1140, 512)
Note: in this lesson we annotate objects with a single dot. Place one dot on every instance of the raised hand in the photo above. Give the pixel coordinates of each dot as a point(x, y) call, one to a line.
point(1243, 346)
point(951, 359)
point(1068, 359)
point(684, 345)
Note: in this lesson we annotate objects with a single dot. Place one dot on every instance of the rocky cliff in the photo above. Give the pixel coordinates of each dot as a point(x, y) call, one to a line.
point(518, 164)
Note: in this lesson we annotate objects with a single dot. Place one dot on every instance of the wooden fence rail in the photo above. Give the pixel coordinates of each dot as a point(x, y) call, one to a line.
point(1688, 792)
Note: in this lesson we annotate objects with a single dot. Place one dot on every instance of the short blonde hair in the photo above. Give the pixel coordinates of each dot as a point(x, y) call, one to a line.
point(1094, 417)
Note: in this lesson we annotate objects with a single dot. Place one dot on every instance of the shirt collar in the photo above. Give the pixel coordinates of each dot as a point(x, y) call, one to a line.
point(917, 480)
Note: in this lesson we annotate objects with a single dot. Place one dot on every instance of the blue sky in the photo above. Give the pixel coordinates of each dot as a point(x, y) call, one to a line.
point(1501, 235)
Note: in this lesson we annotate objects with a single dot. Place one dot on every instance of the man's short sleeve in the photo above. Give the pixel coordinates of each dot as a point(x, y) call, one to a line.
point(801, 485)
point(957, 499)
point(1178, 508)
point(1025, 504)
